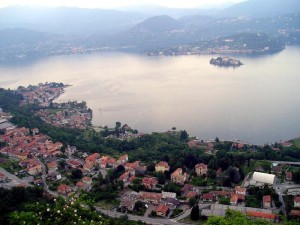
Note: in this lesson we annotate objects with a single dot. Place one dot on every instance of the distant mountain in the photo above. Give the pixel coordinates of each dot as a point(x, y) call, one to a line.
point(155, 10)
point(157, 24)
point(22, 37)
point(262, 8)
point(152, 32)
point(164, 31)
point(241, 43)
point(57, 31)
point(65, 20)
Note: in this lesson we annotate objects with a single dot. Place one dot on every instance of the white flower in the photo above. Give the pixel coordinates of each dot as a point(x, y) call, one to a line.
point(58, 211)
point(75, 210)
point(48, 209)
point(54, 199)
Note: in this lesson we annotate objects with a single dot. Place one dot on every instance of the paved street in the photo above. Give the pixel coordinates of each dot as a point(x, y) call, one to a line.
point(158, 221)
point(46, 188)
point(280, 190)
point(15, 181)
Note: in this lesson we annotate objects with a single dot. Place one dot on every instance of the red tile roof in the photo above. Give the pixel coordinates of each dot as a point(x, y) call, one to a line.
point(201, 165)
point(63, 188)
point(124, 176)
point(234, 198)
point(52, 164)
point(150, 195)
point(289, 175)
point(267, 198)
point(162, 209)
point(92, 157)
point(191, 194)
point(208, 196)
point(187, 187)
point(87, 179)
point(295, 213)
point(163, 164)
point(261, 215)
point(80, 184)
point(239, 189)
point(149, 181)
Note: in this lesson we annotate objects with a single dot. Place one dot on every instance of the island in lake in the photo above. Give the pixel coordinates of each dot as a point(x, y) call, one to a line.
point(226, 62)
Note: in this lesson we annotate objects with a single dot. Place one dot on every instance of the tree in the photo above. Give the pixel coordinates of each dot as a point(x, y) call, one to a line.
point(195, 213)
point(139, 205)
point(62, 164)
point(119, 170)
point(118, 125)
point(190, 161)
point(151, 167)
point(234, 175)
point(224, 201)
point(184, 135)
point(192, 201)
point(139, 208)
point(161, 178)
point(76, 174)
point(234, 218)
point(217, 140)
point(296, 176)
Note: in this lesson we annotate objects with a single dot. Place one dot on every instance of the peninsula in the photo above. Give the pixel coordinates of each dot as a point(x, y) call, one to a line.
point(225, 62)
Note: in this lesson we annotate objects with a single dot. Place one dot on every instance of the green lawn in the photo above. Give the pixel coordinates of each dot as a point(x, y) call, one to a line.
point(176, 212)
point(107, 204)
point(11, 166)
point(255, 164)
point(253, 201)
point(297, 142)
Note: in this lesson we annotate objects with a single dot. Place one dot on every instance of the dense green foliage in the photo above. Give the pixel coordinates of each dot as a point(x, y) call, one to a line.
point(14, 199)
point(60, 212)
point(234, 218)
point(195, 214)
point(31, 206)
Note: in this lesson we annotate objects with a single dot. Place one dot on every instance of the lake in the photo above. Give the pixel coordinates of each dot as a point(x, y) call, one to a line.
point(258, 102)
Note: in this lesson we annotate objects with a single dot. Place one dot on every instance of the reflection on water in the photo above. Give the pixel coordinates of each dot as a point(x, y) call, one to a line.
point(258, 102)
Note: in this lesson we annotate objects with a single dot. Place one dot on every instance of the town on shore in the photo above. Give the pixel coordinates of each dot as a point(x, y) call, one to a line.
point(265, 189)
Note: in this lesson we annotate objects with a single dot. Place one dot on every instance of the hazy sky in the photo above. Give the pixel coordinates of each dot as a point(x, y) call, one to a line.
point(115, 3)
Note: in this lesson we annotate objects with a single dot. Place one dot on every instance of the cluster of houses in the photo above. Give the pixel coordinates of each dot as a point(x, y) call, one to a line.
point(27, 145)
point(74, 116)
point(209, 146)
point(87, 167)
point(164, 202)
point(71, 117)
point(43, 94)
point(21, 145)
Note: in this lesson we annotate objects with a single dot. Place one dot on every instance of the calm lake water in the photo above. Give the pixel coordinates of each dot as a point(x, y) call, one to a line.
point(258, 102)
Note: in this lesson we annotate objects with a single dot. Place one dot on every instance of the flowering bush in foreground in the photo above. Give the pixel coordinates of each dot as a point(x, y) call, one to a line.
point(60, 212)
